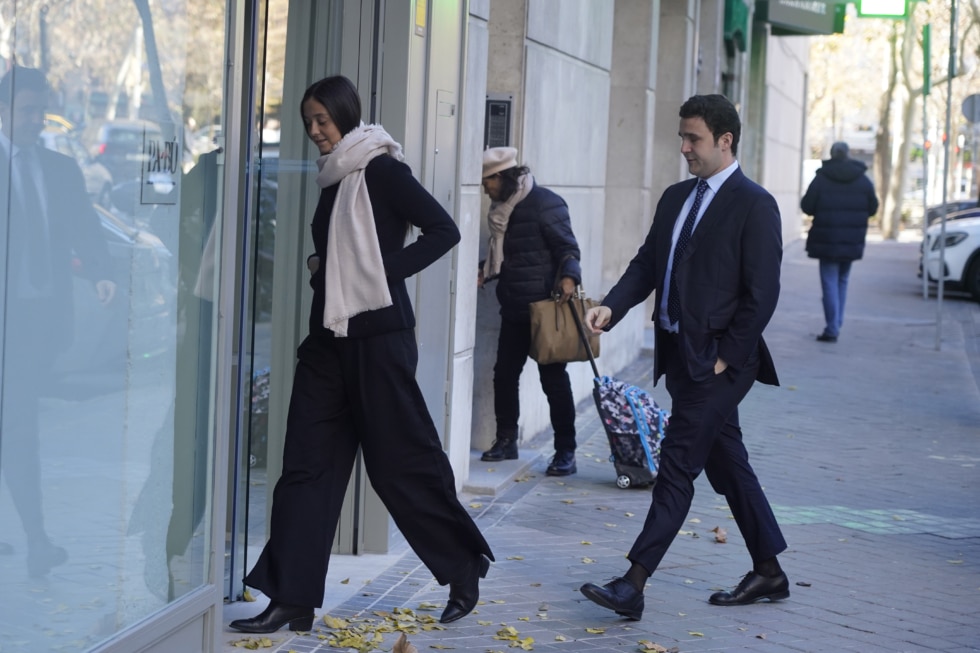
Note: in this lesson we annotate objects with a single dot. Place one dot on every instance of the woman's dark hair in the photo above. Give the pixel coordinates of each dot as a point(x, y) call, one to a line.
point(718, 113)
point(339, 97)
point(510, 180)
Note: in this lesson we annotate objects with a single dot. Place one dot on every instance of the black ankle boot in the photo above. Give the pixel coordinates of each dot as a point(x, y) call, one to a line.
point(275, 617)
point(464, 593)
point(502, 449)
point(562, 464)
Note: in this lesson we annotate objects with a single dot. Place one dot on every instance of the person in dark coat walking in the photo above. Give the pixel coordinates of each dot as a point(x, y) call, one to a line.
point(355, 382)
point(840, 198)
point(531, 244)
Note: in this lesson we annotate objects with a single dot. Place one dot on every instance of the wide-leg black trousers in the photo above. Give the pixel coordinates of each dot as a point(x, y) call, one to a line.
point(350, 393)
point(703, 433)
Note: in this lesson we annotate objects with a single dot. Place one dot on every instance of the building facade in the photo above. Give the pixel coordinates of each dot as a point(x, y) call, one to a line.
point(140, 433)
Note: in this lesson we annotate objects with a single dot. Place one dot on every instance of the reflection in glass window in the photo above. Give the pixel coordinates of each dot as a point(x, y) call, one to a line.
point(108, 209)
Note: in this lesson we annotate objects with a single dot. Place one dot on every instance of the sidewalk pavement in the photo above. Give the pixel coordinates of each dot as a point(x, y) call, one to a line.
point(868, 452)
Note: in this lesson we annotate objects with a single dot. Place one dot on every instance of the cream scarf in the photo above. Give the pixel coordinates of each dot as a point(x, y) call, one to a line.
point(355, 280)
point(497, 218)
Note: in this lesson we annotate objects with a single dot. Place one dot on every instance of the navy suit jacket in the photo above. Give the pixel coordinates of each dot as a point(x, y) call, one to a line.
point(727, 278)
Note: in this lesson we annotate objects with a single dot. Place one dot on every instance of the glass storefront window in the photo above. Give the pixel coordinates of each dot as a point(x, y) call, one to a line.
point(110, 193)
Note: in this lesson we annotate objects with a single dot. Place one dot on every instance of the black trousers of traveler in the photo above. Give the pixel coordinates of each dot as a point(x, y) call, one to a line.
point(350, 393)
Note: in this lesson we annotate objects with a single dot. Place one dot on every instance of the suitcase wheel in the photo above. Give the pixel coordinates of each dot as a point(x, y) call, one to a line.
point(623, 481)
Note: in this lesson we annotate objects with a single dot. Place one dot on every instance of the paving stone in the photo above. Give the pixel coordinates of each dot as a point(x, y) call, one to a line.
point(868, 452)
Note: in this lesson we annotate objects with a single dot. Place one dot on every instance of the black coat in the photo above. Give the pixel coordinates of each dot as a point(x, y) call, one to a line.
point(539, 235)
point(840, 198)
point(399, 201)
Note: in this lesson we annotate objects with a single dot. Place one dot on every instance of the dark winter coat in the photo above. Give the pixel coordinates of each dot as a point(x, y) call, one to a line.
point(399, 201)
point(539, 235)
point(840, 198)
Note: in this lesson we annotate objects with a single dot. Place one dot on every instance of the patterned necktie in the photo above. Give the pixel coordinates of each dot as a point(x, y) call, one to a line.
point(673, 296)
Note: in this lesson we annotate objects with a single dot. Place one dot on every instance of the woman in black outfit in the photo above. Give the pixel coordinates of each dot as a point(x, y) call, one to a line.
point(355, 382)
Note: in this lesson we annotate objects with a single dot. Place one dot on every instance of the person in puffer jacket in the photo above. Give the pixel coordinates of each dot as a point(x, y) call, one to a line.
point(840, 198)
point(530, 237)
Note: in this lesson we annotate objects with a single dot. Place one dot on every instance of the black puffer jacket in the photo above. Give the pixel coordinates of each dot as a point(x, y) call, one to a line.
point(539, 235)
point(840, 198)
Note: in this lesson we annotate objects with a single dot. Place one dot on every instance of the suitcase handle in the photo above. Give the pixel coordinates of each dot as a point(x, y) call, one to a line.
point(585, 341)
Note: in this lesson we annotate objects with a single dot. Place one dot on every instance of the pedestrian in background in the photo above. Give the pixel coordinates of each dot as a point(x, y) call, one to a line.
point(840, 198)
point(354, 385)
point(712, 255)
point(531, 244)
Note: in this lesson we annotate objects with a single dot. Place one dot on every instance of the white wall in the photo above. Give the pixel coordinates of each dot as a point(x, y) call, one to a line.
point(784, 139)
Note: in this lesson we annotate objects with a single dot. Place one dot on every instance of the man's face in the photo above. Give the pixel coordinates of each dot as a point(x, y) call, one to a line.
point(23, 122)
point(704, 155)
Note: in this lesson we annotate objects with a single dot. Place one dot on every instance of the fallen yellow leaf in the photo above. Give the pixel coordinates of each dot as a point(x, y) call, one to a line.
point(595, 631)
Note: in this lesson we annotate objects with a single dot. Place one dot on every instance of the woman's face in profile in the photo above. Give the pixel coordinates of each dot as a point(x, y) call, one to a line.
point(320, 126)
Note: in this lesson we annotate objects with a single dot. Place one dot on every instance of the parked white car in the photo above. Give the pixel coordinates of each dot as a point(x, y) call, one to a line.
point(961, 269)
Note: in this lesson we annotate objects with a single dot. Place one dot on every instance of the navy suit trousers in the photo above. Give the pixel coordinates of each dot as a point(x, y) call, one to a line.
point(703, 433)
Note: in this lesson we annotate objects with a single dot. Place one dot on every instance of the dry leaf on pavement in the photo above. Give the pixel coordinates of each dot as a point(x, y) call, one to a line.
point(404, 646)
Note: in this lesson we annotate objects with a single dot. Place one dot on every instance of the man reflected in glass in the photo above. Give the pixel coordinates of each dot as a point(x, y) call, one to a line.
point(50, 233)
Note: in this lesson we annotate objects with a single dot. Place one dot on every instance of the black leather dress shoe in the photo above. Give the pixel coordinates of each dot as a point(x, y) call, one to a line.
point(823, 337)
point(754, 587)
point(464, 594)
point(618, 595)
point(562, 464)
point(275, 617)
point(502, 449)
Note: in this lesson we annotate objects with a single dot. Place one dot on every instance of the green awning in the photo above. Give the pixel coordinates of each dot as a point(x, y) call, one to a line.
point(736, 25)
point(802, 17)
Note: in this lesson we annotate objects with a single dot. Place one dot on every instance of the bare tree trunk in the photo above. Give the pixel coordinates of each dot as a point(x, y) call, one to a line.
point(897, 187)
point(883, 138)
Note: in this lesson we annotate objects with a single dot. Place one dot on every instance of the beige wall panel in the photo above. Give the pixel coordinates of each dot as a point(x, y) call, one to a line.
point(786, 66)
point(579, 28)
point(566, 110)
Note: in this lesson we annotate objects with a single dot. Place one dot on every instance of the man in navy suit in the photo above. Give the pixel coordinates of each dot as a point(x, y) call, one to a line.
point(712, 255)
point(49, 233)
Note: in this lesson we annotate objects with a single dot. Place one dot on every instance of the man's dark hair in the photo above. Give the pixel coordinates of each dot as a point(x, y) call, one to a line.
point(718, 113)
point(839, 151)
point(510, 180)
point(339, 97)
point(21, 78)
